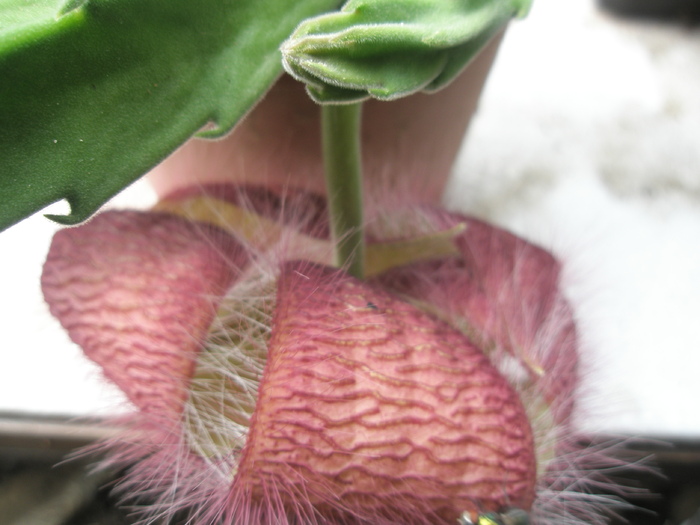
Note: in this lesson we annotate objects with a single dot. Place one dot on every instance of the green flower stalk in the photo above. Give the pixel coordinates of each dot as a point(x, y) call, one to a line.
point(340, 125)
point(384, 49)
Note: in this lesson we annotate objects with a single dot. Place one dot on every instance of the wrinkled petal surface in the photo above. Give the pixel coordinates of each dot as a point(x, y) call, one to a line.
point(370, 405)
point(385, 401)
point(504, 292)
point(137, 291)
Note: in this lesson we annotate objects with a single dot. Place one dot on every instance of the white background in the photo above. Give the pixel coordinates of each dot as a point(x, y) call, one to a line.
point(588, 141)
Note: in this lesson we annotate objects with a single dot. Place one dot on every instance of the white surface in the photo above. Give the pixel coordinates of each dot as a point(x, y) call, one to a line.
point(588, 141)
point(41, 370)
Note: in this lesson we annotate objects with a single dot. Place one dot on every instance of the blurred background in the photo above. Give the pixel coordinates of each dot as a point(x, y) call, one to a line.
point(587, 141)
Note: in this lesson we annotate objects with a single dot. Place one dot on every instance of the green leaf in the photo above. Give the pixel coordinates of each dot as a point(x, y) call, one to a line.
point(388, 49)
point(93, 93)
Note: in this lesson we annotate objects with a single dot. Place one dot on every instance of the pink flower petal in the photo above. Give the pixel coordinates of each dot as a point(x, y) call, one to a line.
point(137, 291)
point(503, 292)
point(373, 409)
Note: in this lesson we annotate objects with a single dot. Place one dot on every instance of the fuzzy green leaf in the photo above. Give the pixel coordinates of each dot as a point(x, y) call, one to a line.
point(388, 49)
point(93, 93)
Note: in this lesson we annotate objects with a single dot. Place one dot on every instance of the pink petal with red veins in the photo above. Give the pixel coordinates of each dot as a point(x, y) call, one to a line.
point(138, 291)
point(373, 409)
point(502, 291)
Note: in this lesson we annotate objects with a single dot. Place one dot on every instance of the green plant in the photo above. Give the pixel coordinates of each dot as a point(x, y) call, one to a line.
point(94, 93)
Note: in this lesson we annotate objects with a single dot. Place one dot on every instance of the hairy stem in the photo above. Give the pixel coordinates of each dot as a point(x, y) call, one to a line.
point(340, 127)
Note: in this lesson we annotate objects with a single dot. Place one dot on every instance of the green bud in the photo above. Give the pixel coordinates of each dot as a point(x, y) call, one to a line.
point(387, 49)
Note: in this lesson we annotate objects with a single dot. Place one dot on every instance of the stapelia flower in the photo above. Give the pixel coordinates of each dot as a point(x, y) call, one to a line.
point(272, 390)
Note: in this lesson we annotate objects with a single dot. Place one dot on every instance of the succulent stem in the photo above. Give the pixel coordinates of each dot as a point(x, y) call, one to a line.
point(340, 128)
